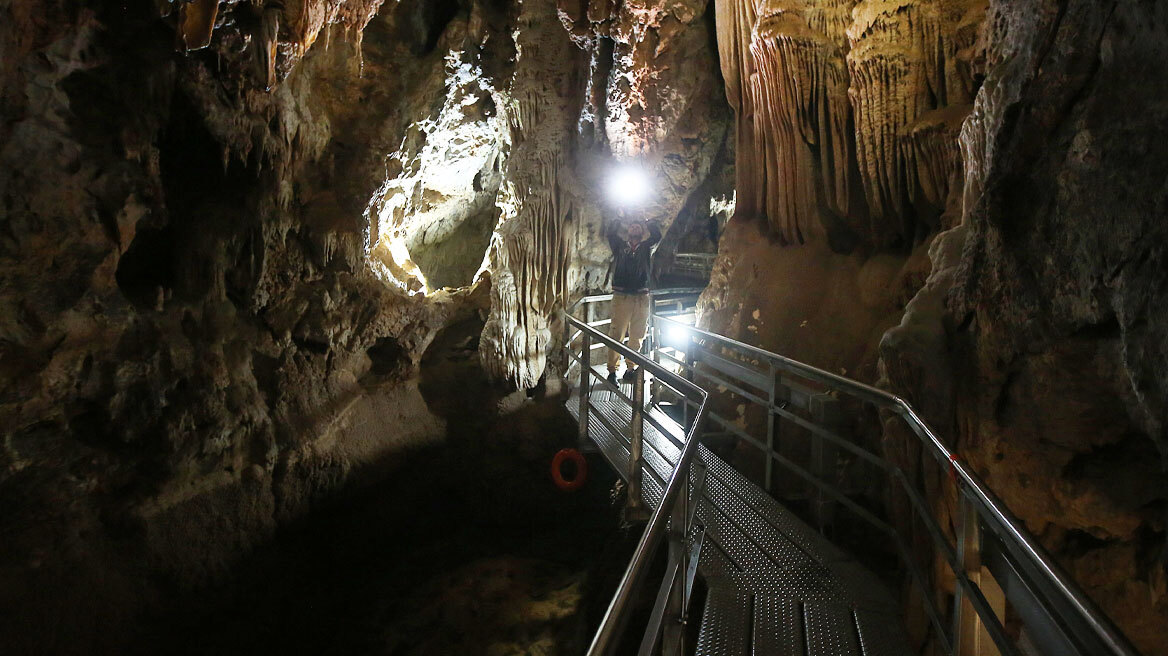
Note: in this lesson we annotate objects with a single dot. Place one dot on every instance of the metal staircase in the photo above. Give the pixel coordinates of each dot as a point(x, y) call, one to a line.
point(773, 584)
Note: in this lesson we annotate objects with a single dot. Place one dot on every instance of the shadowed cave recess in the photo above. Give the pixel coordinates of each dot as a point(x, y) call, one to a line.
point(281, 282)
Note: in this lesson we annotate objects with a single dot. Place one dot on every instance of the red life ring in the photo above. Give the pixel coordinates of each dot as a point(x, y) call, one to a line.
point(581, 470)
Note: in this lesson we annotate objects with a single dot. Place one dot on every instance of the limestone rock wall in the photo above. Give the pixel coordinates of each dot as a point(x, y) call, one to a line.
point(193, 346)
point(980, 178)
point(1037, 343)
point(847, 116)
point(226, 227)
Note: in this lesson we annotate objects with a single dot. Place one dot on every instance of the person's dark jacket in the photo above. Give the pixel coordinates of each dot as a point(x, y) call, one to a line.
point(631, 266)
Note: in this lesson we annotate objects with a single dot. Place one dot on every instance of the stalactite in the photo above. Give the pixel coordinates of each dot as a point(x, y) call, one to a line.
point(888, 65)
point(529, 263)
point(298, 22)
point(799, 92)
point(904, 63)
point(735, 21)
point(935, 154)
point(196, 21)
point(835, 102)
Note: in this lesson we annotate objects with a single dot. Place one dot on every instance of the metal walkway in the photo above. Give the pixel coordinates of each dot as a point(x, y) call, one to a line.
point(776, 586)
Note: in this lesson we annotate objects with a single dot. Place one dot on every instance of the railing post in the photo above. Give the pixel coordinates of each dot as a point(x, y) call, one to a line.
point(969, 635)
point(636, 505)
point(651, 343)
point(585, 387)
point(654, 386)
point(567, 342)
point(770, 440)
point(826, 412)
point(687, 374)
point(673, 634)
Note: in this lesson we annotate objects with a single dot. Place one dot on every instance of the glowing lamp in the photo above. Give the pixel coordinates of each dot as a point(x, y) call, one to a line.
point(628, 186)
point(675, 336)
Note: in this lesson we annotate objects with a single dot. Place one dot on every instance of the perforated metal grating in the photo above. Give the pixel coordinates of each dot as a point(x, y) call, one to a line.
point(830, 629)
point(776, 586)
point(778, 627)
point(725, 623)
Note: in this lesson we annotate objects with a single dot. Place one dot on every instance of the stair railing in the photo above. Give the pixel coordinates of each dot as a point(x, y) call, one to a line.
point(994, 560)
point(671, 518)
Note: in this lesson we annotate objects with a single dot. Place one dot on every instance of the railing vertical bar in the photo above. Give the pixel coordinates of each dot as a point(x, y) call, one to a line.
point(962, 529)
point(636, 447)
point(585, 386)
point(673, 643)
point(770, 441)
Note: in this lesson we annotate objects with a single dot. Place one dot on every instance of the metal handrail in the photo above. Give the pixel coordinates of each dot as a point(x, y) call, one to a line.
point(1000, 520)
point(599, 298)
point(611, 627)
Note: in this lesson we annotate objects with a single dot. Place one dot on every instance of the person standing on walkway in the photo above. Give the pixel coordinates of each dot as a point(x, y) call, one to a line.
point(631, 266)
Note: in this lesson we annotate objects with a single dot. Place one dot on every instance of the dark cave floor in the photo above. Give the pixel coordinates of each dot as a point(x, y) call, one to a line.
point(468, 549)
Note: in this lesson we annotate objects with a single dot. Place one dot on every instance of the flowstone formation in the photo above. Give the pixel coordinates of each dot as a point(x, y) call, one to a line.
point(846, 144)
point(841, 111)
point(631, 89)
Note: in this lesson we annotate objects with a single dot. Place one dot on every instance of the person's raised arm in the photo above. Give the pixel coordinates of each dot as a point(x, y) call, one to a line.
point(654, 233)
point(613, 233)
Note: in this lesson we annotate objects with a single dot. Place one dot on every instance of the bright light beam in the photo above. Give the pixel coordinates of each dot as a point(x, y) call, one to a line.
point(676, 336)
point(629, 186)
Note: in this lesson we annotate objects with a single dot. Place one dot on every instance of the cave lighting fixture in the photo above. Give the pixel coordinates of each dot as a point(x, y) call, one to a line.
point(675, 336)
point(628, 186)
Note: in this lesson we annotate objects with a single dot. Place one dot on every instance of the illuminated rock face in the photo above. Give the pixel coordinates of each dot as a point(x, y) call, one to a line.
point(594, 84)
point(193, 346)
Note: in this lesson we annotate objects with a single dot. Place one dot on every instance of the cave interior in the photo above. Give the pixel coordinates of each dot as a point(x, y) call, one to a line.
point(285, 286)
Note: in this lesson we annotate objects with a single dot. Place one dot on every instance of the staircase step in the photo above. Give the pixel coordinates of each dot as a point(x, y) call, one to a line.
point(725, 623)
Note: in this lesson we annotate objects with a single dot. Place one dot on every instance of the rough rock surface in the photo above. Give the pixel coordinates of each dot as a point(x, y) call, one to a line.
point(1038, 342)
point(847, 117)
point(219, 269)
point(193, 346)
point(1023, 226)
point(212, 261)
point(628, 81)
